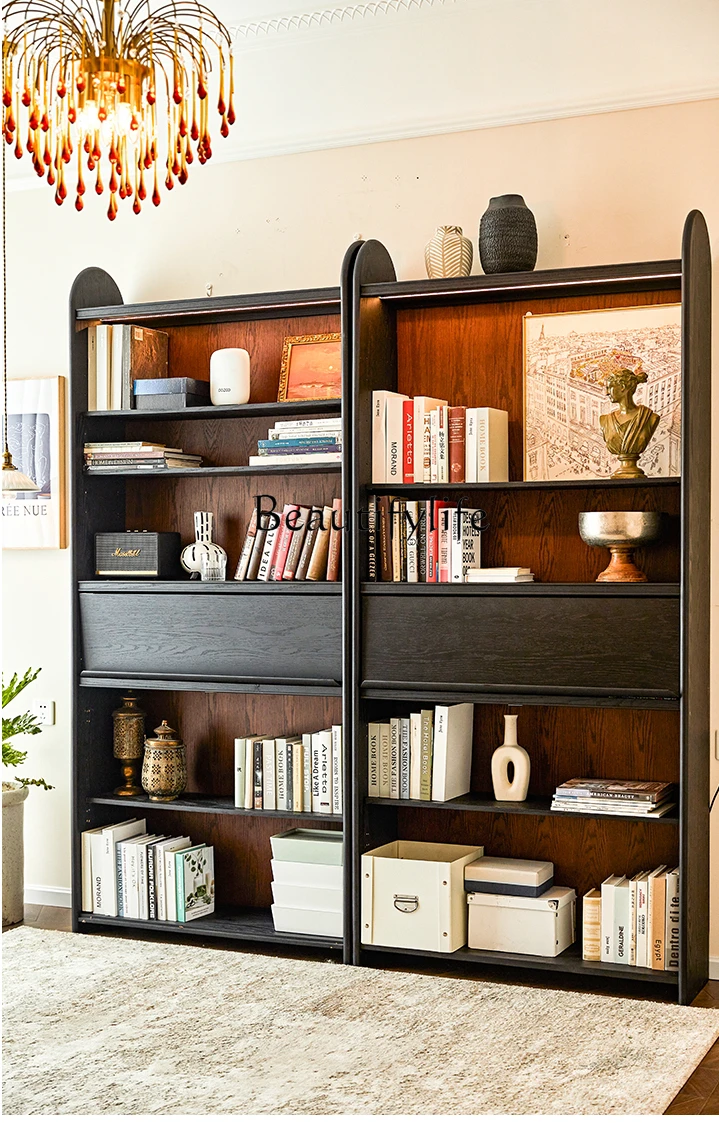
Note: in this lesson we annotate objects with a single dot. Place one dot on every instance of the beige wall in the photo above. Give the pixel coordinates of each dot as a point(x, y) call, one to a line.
point(606, 188)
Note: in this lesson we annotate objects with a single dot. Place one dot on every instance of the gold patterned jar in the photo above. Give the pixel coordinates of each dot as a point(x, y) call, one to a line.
point(164, 769)
point(128, 741)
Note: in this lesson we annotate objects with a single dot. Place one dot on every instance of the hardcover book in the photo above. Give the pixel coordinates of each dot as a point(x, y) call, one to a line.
point(195, 882)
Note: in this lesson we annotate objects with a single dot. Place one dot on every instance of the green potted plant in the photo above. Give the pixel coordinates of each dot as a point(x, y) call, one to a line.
point(14, 794)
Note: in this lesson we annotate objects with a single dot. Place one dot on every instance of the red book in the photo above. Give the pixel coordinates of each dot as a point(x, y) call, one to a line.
point(457, 441)
point(284, 539)
point(433, 509)
point(408, 441)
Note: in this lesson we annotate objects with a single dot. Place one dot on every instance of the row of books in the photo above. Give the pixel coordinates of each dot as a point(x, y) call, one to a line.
point(634, 921)
point(425, 440)
point(304, 441)
point(643, 798)
point(296, 773)
point(128, 872)
point(117, 354)
point(426, 756)
point(119, 456)
point(300, 544)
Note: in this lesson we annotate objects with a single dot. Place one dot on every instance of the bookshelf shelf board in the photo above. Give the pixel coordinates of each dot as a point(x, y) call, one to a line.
point(241, 470)
point(479, 802)
point(207, 805)
point(512, 696)
point(111, 680)
point(213, 588)
point(237, 924)
point(438, 490)
point(208, 310)
point(570, 961)
point(523, 589)
point(332, 407)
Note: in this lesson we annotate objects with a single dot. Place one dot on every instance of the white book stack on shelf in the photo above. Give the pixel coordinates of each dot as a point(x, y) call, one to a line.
point(499, 575)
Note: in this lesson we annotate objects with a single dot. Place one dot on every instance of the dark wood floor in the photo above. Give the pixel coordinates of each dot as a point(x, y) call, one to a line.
point(699, 1096)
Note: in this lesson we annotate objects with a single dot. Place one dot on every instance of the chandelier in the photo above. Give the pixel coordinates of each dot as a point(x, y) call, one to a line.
point(109, 96)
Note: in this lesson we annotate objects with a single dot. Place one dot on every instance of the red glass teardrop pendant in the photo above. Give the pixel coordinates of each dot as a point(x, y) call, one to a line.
point(224, 127)
point(169, 182)
point(136, 206)
point(7, 98)
point(71, 114)
point(26, 97)
point(231, 115)
point(98, 183)
point(51, 176)
point(79, 204)
point(112, 209)
point(34, 120)
point(18, 149)
point(44, 122)
point(112, 185)
point(61, 89)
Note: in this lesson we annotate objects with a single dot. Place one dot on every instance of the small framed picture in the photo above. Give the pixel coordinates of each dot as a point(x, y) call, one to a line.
point(35, 520)
point(311, 368)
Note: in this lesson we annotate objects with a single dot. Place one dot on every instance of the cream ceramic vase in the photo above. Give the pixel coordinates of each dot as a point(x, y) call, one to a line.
point(13, 874)
point(514, 790)
point(448, 253)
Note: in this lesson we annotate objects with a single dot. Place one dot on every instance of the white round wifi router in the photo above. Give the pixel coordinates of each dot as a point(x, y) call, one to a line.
point(230, 377)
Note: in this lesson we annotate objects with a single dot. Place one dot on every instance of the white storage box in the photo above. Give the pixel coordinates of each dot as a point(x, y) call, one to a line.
point(307, 897)
point(308, 874)
point(513, 877)
point(311, 922)
point(529, 926)
point(302, 845)
point(413, 895)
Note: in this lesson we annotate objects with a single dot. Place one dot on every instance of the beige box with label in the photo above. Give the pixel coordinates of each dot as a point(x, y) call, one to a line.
point(525, 925)
point(413, 895)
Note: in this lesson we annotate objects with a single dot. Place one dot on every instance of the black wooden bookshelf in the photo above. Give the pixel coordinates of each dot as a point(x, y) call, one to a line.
point(362, 651)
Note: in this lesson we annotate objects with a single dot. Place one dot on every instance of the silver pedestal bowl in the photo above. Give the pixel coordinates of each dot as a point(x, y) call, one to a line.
point(621, 532)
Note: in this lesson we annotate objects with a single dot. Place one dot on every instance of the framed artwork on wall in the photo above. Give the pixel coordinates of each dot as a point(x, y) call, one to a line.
point(568, 359)
point(36, 520)
point(311, 368)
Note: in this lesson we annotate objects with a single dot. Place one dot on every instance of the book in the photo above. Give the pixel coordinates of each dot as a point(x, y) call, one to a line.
point(397, 508)
point(415, 756)
point(163, 848)
point(325, 771)
point(433, 514)
point(310, 423)
point(380, 470)
point(246, 552)
point(434, 445)
point(316, 753)
point(641, 956)
point(373, 785)
point(282, 777)
point(470, 446)
point(257, 769)
point(240, 765)
point(633, 883)
point(444, 545)
point(608, 912)
point(286, 461)
point(91, 387)
point(372, 538)
point(284, 538)
point(465, 544)
point(104, 863)
point(671, 931)
point(307, 772)
point(86, 867)
point(492, 445)
point(412, 540)
point(648, 791)
point(194, 882)
point(452, 751)
point(384, 538)
point(317, 569)
point(591, 925)
point(395, 735)
point(103, 361)
point(456, 421)
point(258, 546)
point(308, 545)
point(384, 760)
point(335, 544)
point(423, 405)
point(268, 551)
point(297, 762)
point(337, 770)
point(505, 573)
point(408, 441)
point(143, 879)
point(319, 443)
point(422, 544)
point(394, 422)
point(620, 931)
point(425, 790)
point(404, 757)
point(297, 541)
point(269, 775)
point(657, 912)
point(442, 446)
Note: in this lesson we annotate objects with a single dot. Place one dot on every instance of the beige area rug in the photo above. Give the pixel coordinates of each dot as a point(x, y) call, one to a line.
point(109, 1026)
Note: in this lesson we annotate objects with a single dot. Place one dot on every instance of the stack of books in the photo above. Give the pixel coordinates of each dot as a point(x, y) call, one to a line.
point(424, 440)
point(117, 356)
point(300, 544)
point(304, 441)
point(502, 574)
point(128, 872)
point(294, 773)
point(119, 456)
point(426, 756)
point(417, 541)
point(634, 920)
point(643, 798)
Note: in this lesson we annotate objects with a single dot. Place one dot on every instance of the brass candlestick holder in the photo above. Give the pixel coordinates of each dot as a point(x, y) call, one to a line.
point(128, 742)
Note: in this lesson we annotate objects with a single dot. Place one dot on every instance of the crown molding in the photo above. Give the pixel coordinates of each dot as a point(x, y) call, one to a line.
point(325, 17)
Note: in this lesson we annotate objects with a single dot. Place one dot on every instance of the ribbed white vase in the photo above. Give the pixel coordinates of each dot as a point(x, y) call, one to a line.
point(448, 253)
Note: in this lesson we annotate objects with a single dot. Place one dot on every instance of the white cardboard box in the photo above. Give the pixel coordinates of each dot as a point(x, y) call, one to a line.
point(306, 897)
point(310, 874)
point(304, 844)
point(528, 926)
point(311, 922)
point(413, 895)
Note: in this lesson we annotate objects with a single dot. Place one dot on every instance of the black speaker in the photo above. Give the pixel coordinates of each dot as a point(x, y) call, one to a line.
point(138, 553)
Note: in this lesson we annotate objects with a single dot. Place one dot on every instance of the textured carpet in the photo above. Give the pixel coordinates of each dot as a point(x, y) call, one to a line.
point(111, 1026)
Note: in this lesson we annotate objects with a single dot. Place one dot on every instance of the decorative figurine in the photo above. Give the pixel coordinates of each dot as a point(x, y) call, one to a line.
point(448, 253)
point(128, 740)
point(628, 430)
point(620, 532)
point(164, 769)
point(191, 556)
point(509, 752)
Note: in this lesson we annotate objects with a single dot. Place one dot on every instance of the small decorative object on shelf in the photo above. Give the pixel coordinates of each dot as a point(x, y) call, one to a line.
point(628, 430)
point(128, 742)
point(448, 253)
point(164, 769)
point(509, 752)
point(507, 236)
point(620, 532)
point(191, 556)
point(311, 368)
point(137, 553)
point(230, 376)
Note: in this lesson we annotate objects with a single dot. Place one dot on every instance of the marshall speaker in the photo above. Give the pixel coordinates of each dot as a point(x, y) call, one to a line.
point(138, 553)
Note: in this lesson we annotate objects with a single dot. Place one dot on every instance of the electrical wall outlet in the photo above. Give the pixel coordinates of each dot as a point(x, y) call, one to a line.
point(44, 711)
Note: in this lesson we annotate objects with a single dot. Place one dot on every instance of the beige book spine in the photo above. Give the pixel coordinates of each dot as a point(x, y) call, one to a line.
point(657, 920)
point(318, 562)
point(592, 925)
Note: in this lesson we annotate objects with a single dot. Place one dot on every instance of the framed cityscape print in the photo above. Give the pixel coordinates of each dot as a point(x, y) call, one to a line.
point(572, 361)
point(35, 520)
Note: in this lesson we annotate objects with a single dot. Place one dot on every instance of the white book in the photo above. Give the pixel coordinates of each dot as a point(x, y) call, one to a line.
point(412, 541)
point(87, 867)
point(373, 760)
point(433, 445)
point(287, 460)
point(465, 545)
point(642, 920)
point(142, 878)
point(309, 423)
point(671, 936)
point(480, 577)
point(394, 747)
point(103, 359)
point(269, 775)
point(336, 769)
point(442, 446)
point(492, 446)
point(470, 445)
point(633, 919)
point(268, 549)
point(621, 937)
point(240, 766)
point(281, 774)
point(384, 760)
point(118, 337)
point(422, 406)
point(307, 772)
point(91, 374)
point(404, 758)
point(123, 878)
point(295, 431)
point(179, 842)
point(608, 907)
point(298, 774)
point(131, 870)
point(415, 755)
point(104, 863)
point(395, 438)
point(452, 753)
point(325, 779)
point(316, 753)
point(379, 435)
point(249, 773)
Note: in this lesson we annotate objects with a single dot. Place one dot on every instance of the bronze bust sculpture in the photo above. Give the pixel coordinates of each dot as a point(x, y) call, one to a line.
point(628, 430)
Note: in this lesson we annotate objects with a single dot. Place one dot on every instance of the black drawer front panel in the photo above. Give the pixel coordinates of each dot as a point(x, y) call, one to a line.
point(244, 637)
point(556, 643)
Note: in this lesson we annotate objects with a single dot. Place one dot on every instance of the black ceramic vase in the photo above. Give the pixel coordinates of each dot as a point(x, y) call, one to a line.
point(507, 236)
